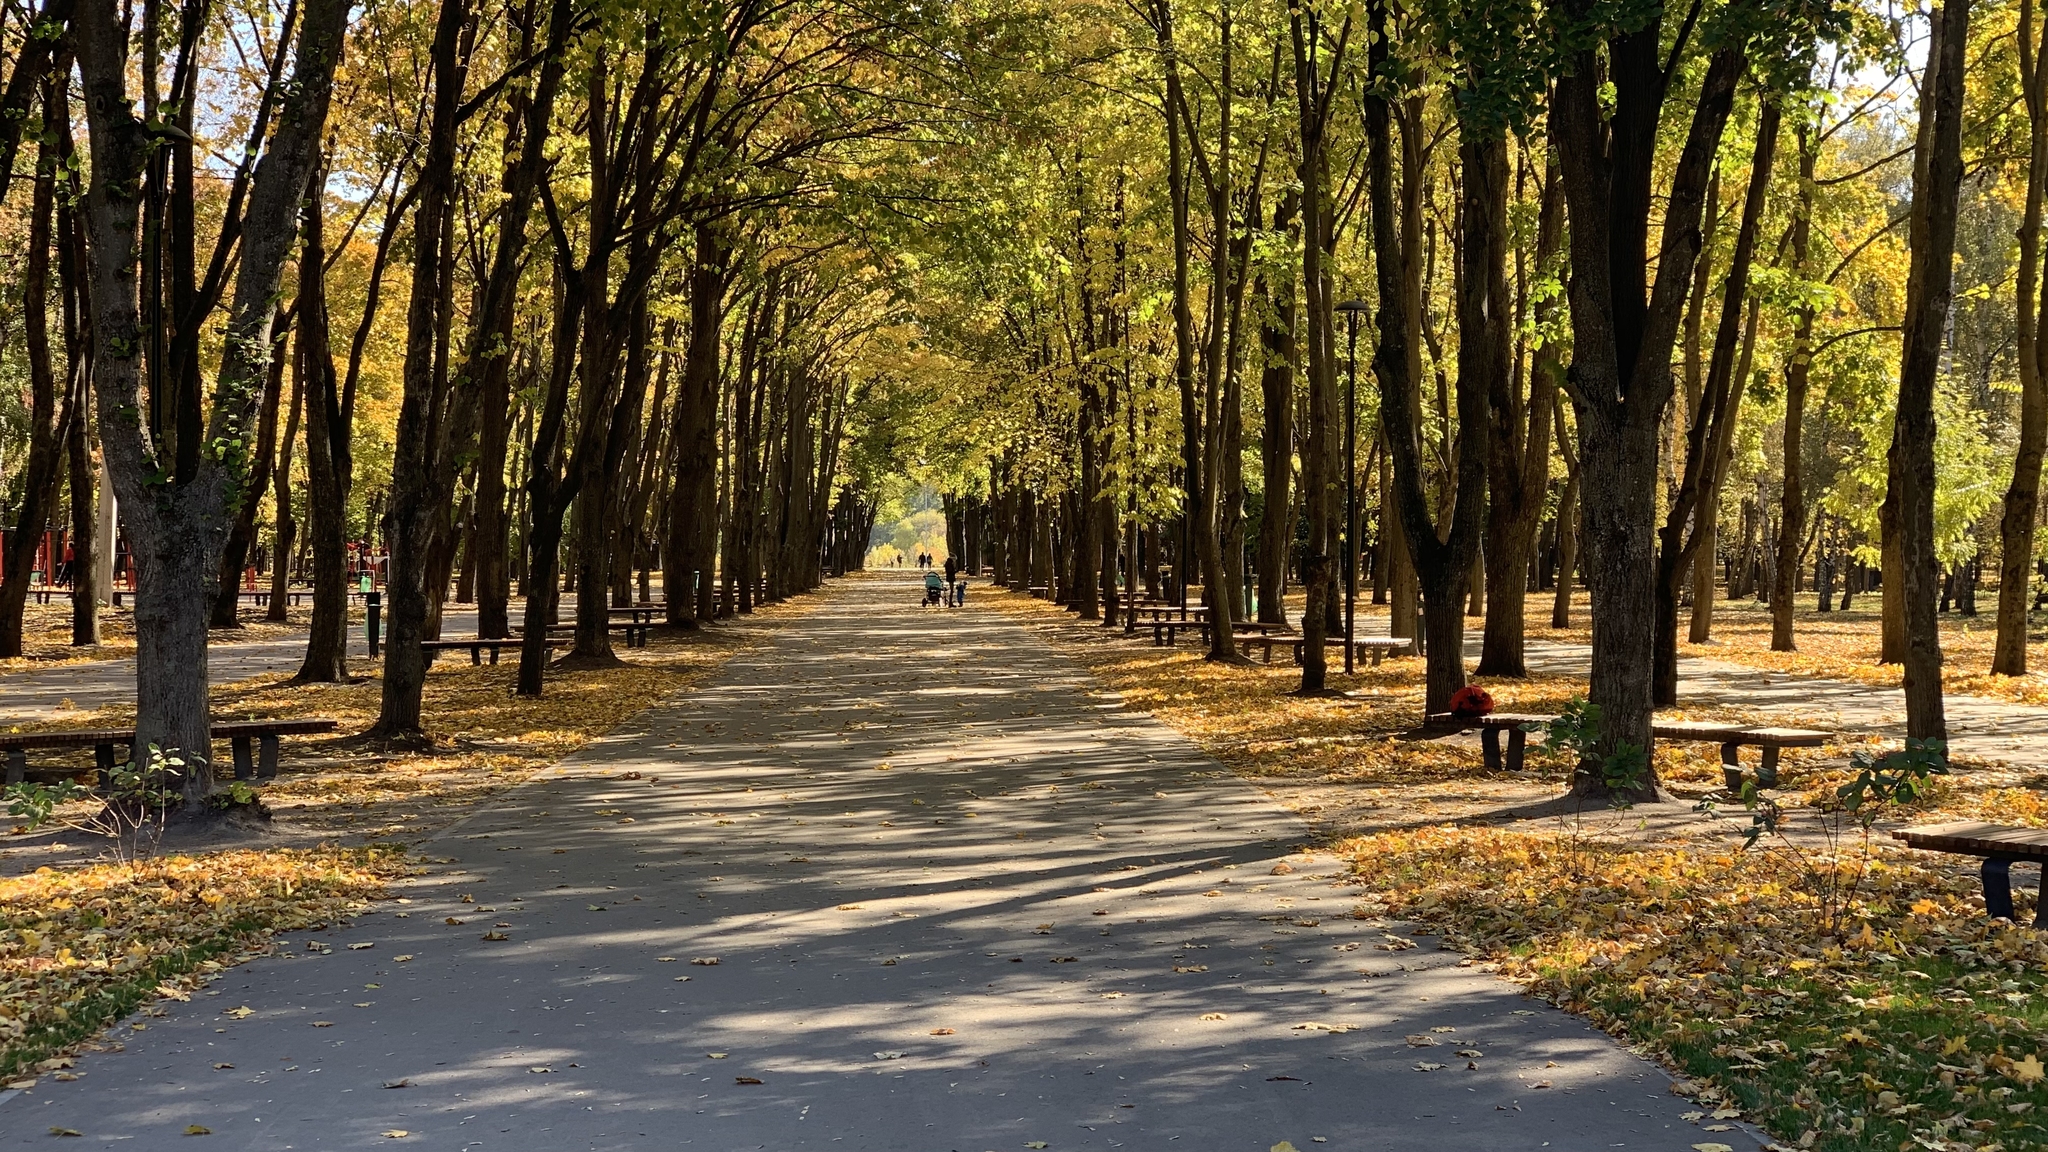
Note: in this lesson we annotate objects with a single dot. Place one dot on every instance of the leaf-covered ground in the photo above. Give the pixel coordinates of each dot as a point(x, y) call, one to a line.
point(1846, 994)
point(83, 946)
point(86, 938)
point(1916, 1023)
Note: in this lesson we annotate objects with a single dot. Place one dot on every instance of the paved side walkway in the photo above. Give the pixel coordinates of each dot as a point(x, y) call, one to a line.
point(905, 880)
point(29, 697)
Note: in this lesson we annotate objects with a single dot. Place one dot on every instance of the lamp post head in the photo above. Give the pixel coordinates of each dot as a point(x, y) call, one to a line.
point(1353, 306)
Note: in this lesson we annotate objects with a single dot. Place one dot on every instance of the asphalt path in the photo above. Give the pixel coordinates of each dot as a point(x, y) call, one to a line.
point(903, 879)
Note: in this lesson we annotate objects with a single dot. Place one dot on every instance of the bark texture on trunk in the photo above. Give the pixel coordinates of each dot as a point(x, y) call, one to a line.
point(1709, 435)
point(412, 521)
point(1624, 328)
point(1930, 290)
point(1798, 374)
point(2023, 496)
point(178, 528)
point(1518, 467)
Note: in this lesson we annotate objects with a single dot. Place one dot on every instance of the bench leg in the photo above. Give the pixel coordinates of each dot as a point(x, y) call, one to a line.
point(1518, 744)
point(494, 653)
point(245, 766)
point(266, 757)
point(1997, 876)
point(17, 765)
point(1731, 766)
point(1767, 768)
point(1376, 656)
point(476, 656)
point(1489, 741)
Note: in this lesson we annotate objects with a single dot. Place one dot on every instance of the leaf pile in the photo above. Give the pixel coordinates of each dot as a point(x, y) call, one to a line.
point(80, 947)
point(1922, 1026)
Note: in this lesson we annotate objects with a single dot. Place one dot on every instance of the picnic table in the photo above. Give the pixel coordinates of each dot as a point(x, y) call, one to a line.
point(2001, 846)
point(239, 734)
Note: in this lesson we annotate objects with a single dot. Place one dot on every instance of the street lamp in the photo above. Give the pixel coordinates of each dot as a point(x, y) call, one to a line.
point(1351, 309)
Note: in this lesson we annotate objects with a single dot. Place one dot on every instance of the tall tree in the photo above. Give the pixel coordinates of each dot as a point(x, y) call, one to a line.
point(178, 501)
point(2023, 497)
point(1930, 290)
point(50, 412)
point(1315, 98)
point(1518, 467)
point(1605, 120)
point(1695, 506)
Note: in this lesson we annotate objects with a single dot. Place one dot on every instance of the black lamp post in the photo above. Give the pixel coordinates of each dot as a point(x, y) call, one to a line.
point(1351, 309)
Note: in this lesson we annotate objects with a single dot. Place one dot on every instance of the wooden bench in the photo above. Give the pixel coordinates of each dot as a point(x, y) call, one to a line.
point(1731, 738)
point(635, 632)
point(1370, 648)
point(2001, 846)
point(1491, 725)
point(477, 647)
point(1166, 633)
point(238, 733)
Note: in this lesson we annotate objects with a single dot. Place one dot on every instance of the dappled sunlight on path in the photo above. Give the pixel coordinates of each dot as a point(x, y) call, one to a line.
point(906, 879)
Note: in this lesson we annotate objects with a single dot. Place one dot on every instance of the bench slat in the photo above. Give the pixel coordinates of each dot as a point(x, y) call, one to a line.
point(1976, 838)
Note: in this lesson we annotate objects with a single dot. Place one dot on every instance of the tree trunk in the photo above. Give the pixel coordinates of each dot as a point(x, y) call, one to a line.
point(1276, 445)
point(1798, 374)
point(1930, 288)
point(287, 531)
point(1568, 505)
point(692, 521)
point(1709, 437)
point(1319, 463)
point(48, 414)
point(228, 600)
point(417, 504)
point(178, 528)
point(2022, 498)
point(1624, 329)
point(1518, 472)
point(1443, 558)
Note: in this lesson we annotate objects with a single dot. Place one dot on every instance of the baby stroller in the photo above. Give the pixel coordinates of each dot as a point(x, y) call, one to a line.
point(934, 591)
